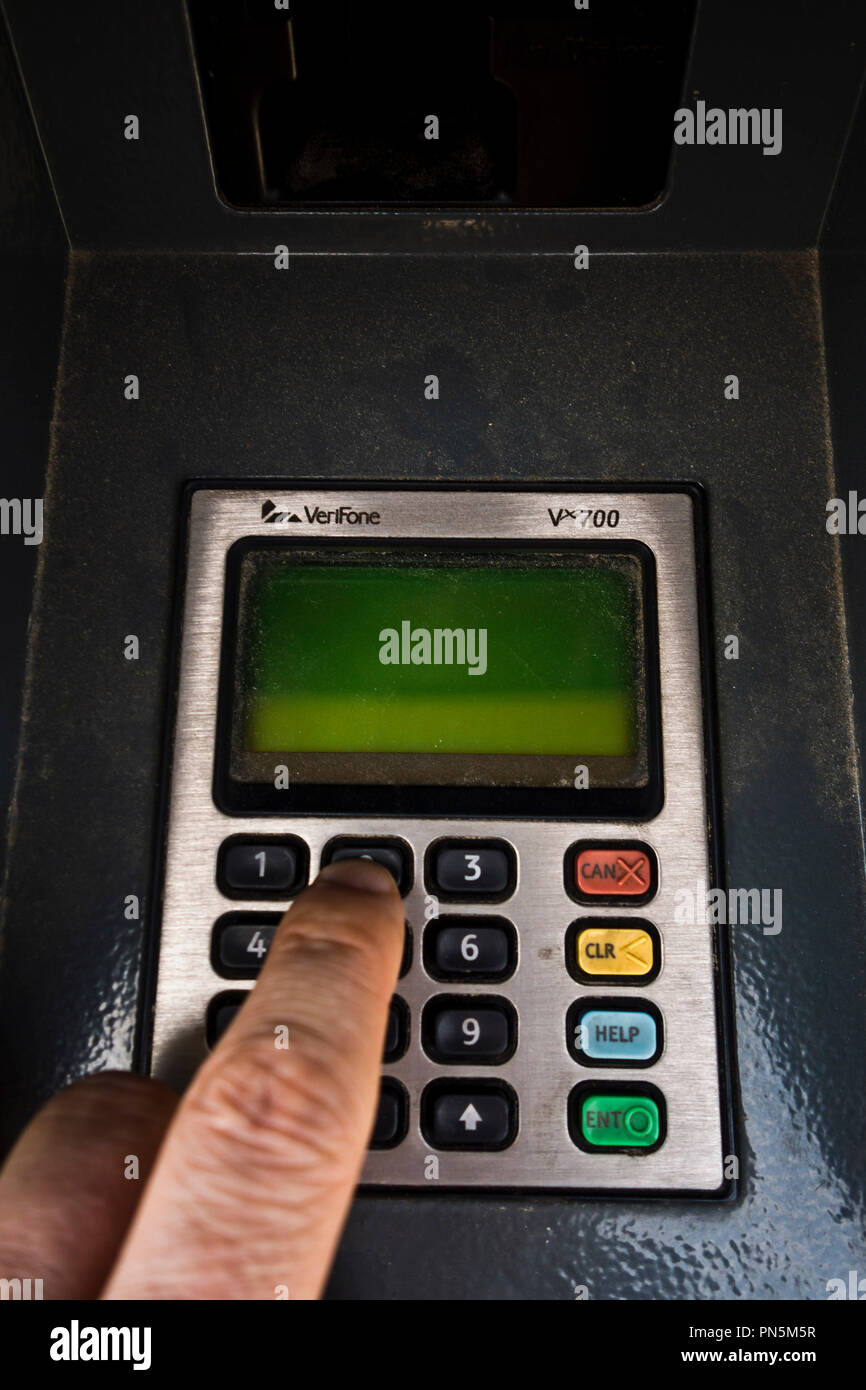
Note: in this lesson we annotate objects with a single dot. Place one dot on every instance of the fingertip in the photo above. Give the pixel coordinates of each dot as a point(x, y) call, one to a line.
point(358, 874)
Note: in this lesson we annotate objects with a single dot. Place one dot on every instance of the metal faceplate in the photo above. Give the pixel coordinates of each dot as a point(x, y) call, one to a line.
point(541, 1070)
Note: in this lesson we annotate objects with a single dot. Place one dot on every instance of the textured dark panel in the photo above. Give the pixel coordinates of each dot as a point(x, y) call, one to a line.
point(615, 373)
point(844, 226)
point(843, 283)
point(843, 279)
point(32, 264)
point(89, 65)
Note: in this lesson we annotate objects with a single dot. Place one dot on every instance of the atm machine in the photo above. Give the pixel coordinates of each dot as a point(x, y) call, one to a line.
point(446, 430)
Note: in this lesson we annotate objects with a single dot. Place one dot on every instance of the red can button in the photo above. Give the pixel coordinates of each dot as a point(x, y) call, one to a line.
point(614, 872)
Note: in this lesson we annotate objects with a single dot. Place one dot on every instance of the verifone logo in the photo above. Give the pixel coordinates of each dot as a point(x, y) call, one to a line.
point(272, 515)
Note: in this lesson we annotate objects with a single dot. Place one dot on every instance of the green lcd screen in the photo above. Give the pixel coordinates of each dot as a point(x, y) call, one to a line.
point(497, 668)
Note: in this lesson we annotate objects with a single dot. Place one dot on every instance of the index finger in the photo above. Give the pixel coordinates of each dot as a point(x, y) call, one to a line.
point(257, 1171)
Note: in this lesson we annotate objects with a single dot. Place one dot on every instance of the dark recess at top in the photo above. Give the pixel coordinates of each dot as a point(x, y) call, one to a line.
point(539, 106)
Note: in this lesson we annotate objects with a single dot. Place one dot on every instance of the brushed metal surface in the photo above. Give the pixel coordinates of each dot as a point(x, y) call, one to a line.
point(541, 1070)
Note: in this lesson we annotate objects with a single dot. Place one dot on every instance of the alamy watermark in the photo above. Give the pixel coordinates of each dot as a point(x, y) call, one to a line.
point(20, 1290)
point(851, 1288)
point(736, 907)
point(438, 646)
point(846, 516)
point(735, 126)
point(22, 516)
point(77, 1343)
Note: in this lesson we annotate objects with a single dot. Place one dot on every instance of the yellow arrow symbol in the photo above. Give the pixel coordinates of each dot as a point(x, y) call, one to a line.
point(636, 950)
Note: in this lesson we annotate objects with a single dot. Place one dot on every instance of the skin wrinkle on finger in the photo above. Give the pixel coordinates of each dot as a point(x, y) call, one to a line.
point(223, 1248)
point(320, 1030)
point(281, 1106)
point(351, 964)
point(286, 1173)
point(308, 1007)
point(277, 1219)
point(358, 960)
point(281, 1194)
point(354, 967)
point(310, 1035)
point(309, 1032)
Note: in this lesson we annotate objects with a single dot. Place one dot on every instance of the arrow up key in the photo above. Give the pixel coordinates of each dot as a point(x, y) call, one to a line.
point(469, 1115)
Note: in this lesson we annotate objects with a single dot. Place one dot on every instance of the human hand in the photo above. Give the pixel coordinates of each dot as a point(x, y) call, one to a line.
point(250, 1175)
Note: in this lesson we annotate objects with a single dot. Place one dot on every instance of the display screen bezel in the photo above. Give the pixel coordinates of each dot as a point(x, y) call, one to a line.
point(352, 798)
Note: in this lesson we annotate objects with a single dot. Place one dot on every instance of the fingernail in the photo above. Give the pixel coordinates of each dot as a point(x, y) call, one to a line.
point(358, 873)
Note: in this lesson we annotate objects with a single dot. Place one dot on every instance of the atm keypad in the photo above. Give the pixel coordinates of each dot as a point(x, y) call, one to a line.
point(459, 1031)
point(503, 697)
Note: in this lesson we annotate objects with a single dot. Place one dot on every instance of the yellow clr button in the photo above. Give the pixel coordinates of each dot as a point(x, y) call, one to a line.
point(617, 951)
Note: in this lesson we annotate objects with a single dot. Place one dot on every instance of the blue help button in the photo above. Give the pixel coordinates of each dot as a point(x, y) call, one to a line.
point(606, 1034)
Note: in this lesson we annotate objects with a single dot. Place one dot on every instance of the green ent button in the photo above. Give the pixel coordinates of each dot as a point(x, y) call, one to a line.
point(619, 1121)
